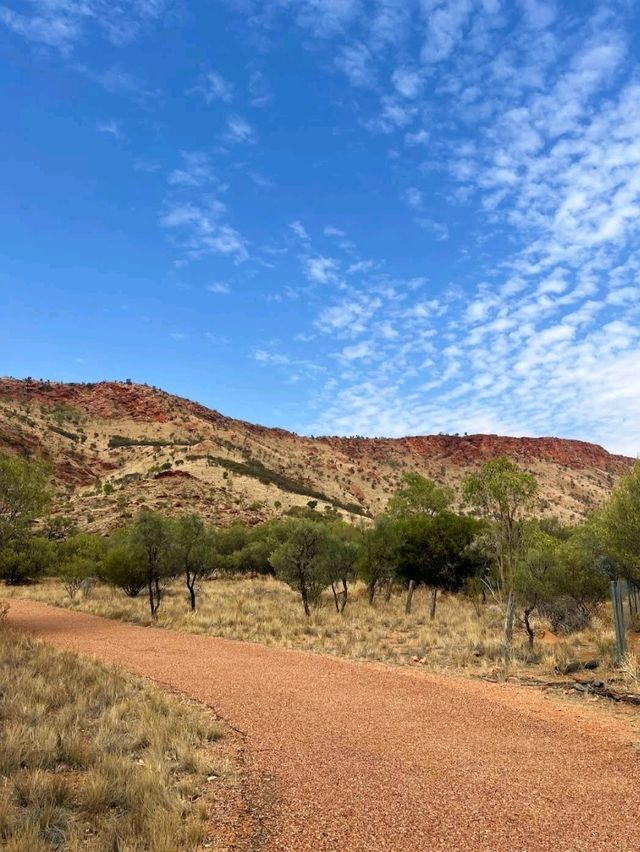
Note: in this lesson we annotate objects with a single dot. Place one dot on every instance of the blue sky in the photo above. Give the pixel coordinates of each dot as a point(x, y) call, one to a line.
point(376, 217)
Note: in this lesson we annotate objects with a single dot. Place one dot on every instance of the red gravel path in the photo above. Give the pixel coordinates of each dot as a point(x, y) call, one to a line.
point(367, 757)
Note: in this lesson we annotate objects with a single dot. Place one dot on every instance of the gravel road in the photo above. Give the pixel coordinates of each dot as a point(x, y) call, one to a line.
point(355, 757)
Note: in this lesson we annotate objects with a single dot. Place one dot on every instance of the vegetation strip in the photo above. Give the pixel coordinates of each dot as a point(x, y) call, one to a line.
point(516, 572)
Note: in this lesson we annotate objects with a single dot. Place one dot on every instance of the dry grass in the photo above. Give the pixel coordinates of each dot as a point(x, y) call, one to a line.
point(265, 610)
point(95, 760)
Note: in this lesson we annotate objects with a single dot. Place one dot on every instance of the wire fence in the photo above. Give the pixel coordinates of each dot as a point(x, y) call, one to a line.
point(625, 600)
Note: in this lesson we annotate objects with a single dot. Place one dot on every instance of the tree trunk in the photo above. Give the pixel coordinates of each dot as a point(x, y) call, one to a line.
point(152, 602)
point(192, 596)
point(156, 584)
point(335, 597)
point(345, 596)
point(508, 619)
point(527, 612)
point(305, 601)
point(371, 591)
point(389, 591)
point(434, 598)
point(410, 591)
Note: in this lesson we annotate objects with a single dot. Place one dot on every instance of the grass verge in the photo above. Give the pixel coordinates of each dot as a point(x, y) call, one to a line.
point(92, 759)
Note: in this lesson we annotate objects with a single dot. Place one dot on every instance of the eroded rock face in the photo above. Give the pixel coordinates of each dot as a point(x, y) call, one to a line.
point(155, 449)
point(474, 449)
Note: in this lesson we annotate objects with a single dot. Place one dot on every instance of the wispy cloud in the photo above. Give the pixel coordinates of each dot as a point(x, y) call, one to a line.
point(194, 171)
point(221, 288)
point(238, 130)
point(61, 23)
point(321, 270)
point(539, 137)
point(299, 230)
point(111, 128)
point(214, 87)
point(196, 216)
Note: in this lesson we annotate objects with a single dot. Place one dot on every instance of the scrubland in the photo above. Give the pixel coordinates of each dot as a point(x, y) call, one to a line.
point(464, 636)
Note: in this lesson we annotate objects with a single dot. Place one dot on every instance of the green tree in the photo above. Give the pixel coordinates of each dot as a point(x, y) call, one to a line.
point(24, 495)
point(437, 551)
point(151, 534)
point(25, 557)
point(621, 525)
point(77, 559)
point(418, 496)
point(59, 527)
point(536, 574)
point(298, 561)
point(193, 552)
point(123, 566)
point(378, 557)
point(503, 493)
point(339, 559)
point(563, 578)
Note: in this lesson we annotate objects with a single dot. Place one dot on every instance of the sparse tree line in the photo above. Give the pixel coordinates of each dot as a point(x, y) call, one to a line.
point(497, 550)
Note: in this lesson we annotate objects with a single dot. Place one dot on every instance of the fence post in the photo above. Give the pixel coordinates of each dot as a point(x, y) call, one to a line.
point(618, 620)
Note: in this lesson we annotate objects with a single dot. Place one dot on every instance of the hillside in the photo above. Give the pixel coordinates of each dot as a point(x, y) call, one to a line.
point(116, 447)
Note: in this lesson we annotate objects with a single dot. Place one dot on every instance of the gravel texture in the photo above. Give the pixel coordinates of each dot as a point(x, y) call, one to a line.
point(353, 756)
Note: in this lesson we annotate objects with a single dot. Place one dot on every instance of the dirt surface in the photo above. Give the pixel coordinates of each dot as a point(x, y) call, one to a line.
point(350, 756)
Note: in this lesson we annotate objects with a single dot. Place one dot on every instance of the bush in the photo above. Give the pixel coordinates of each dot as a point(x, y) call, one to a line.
point(565, 614)
point(25, 559)
point(122, 567)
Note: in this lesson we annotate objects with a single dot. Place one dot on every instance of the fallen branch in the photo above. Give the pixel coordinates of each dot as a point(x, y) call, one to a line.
point(575, 666)
point(600, 688)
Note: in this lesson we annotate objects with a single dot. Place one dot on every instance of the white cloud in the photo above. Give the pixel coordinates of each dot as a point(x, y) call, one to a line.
point(299, 230)
point(216, 88)
point(327, 17)
point(111, 128)
point(195, 170)
point(440, 230)
point(539, 14)
point(56, 31)
point(413, 197)
point(201, 231)
point(61, 24)
point(264, 357)
point(219, 287)
point(357, 351)
point(356, 62)
point(445, 22)
point(238, 130)
point(419, 137)
point(407, 81)
point(321, 270)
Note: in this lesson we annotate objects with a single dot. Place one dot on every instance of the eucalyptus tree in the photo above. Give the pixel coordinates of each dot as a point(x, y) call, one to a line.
point(503, 493)
point(192, 552)
point(299, 560)
point(151, 536)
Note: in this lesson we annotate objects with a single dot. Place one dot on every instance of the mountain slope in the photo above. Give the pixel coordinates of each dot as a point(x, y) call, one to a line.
point(116, 446)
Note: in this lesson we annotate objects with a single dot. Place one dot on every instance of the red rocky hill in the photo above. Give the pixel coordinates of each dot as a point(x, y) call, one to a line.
point(114, 445)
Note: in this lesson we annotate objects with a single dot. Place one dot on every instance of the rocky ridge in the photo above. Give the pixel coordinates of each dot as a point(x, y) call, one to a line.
point(116, 446)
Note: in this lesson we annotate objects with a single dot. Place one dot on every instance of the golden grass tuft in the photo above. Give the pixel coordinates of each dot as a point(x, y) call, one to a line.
point(96, 760)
